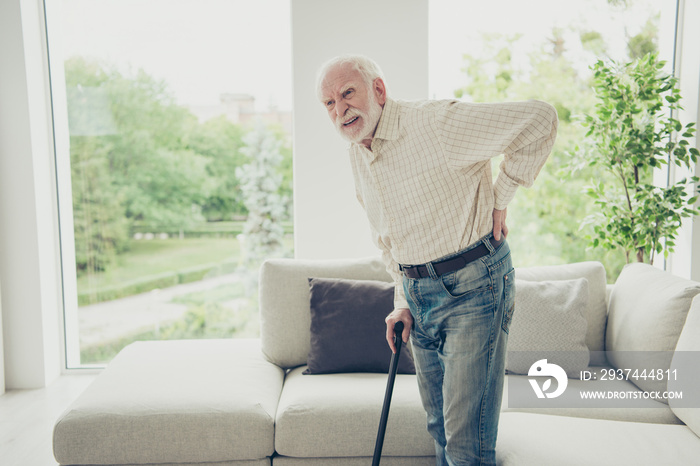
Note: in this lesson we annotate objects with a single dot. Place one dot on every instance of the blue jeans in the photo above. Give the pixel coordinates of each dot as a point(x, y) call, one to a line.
point(459, 342)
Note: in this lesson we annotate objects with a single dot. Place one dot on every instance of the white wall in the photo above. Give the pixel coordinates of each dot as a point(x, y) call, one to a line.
point(2, 358)
point(28, 231)
point(328, 221)
point(685, 262)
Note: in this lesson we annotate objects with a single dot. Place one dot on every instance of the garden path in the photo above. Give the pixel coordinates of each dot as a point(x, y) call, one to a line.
point(111, 320)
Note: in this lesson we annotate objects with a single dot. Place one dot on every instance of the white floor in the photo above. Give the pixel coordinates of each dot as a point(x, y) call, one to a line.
point(27, 418)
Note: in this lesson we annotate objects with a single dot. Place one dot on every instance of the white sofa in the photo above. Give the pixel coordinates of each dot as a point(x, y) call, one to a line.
point(246, 402)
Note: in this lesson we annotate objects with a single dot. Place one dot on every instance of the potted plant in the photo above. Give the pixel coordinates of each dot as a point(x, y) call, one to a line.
point(632, 132)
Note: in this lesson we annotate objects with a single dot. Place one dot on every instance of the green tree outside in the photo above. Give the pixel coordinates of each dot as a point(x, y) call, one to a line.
point(142, 163)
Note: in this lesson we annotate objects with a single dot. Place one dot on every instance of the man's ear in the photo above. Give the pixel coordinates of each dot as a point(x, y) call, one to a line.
point(379, 90)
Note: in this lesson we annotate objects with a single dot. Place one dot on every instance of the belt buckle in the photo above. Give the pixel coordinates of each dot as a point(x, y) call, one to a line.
point(412, 271)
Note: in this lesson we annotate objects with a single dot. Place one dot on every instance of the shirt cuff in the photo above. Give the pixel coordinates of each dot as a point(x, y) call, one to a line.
point(400, 301)
point(504, 191)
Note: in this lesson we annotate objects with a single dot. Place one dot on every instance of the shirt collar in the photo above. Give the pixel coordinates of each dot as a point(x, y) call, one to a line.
point(387, 129)
point(388, 126)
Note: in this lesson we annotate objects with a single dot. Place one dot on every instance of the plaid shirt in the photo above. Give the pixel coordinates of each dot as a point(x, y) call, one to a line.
point(427, 186)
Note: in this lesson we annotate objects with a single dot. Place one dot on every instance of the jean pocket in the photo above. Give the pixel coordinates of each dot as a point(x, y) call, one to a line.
point(470, 280)
point(508, 299)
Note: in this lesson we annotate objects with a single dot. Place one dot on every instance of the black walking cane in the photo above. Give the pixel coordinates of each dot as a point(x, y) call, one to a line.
point(398, 331)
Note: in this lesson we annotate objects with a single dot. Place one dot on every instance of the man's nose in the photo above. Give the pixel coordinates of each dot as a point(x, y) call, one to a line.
point(341, 108)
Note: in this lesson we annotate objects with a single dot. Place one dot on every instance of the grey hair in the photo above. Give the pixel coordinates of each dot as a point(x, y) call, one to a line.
point(368, 69)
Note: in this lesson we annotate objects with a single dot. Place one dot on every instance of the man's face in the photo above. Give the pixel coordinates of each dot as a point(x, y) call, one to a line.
point(352, 107)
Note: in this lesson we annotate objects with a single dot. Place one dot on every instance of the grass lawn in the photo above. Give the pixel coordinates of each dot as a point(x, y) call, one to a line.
point(225, 311)
point(153, 257)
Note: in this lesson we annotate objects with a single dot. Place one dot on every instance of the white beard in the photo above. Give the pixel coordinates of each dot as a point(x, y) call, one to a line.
point(369, 122)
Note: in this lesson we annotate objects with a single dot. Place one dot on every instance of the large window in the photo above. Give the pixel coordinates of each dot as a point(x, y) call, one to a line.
point(179, 155)
point(515, 50)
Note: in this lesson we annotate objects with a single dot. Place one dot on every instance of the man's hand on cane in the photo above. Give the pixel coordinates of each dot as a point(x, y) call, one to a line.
point(403, 315)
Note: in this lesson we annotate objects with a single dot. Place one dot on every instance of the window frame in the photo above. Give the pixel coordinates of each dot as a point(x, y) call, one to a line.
point(688, 43)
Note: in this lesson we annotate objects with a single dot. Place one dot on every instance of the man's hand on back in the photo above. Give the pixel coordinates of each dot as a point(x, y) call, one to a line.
point(499, 224)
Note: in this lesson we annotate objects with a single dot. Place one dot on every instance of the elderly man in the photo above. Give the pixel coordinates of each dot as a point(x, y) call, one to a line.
point(422, 173)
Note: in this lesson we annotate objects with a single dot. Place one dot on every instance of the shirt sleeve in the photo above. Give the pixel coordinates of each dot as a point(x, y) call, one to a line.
point(392, 267)
point(524, 132)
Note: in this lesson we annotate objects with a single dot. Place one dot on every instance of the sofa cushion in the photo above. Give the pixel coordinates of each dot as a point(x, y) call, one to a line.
point(684, 367)
point(337, 415)
point(348, 333)
point(596, 310)
point(526, 439)
point(284, 286)
point(190, 401)
point(648, 308)
point(356, 461)
point(548, 323)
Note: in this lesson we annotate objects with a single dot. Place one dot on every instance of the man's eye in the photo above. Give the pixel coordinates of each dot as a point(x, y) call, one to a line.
point(348, 93)
point(329, 103)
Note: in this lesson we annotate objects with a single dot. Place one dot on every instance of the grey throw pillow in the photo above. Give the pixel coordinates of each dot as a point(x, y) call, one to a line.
point(549, 323)
point(348, 333)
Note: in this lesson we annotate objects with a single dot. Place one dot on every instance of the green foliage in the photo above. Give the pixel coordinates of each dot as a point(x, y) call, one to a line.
point(632, 134)
point(646, 41)
point(140, 162)
point(492, 74)
point(100, 225)
point(260, 185)
point(544, 220)
point(594, 42)
point(162, 181)
point(220, 141)
point(127, 160)
point(165, 190)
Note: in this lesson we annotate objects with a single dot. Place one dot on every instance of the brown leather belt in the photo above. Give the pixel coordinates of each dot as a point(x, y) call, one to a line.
point(452, 264)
